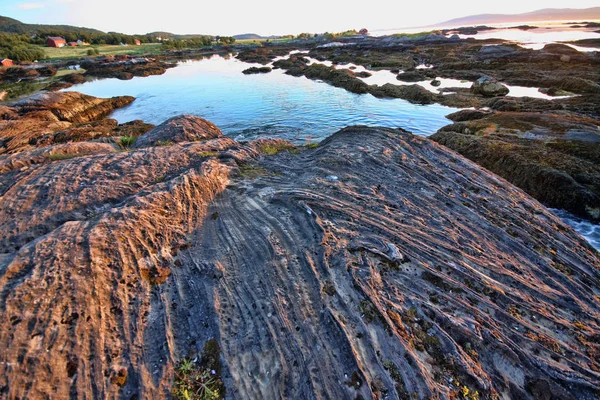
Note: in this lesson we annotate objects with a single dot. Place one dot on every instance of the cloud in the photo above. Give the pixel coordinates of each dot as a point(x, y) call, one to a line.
point(29, 6)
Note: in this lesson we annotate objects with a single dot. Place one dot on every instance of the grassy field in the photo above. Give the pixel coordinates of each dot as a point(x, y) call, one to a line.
point(64, 53)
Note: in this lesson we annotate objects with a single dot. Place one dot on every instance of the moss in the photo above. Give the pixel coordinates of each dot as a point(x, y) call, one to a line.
point(252, 171)
point(329, 288)
point(311, 145)
point(355, 381)
point(200, 379)
point(58, 157)
point(274, 148)
point(205, 154)
point(369, 311)
point(392, 369)
point(127, 141)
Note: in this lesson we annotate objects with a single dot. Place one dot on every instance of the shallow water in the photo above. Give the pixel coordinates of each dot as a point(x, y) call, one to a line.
point(250, 106)
point(590, 231)
point(381, 77)
point(537, 38)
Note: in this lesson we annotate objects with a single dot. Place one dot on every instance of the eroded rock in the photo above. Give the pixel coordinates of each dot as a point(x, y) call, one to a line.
point(410, 271)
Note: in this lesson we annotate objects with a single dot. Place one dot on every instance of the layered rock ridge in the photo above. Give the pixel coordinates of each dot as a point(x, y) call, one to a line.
point(377, 265)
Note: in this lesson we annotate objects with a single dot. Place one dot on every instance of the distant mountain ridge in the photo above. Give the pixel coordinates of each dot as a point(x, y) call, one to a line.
point(547, 14)
point(247, 36)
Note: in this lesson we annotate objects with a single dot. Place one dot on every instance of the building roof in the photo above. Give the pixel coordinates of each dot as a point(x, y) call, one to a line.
point(56, 38)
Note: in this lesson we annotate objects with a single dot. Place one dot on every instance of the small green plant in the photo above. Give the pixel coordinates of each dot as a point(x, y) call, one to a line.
point(191, 383)
point(274, 148)
point(200, 379)
point(127, 141)
point(93, 52)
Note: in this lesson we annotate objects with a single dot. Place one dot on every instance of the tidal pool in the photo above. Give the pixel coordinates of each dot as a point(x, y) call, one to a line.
point(245, 107)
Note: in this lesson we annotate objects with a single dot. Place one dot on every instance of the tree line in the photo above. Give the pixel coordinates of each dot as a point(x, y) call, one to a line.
point(197, 42)
point(19, 48)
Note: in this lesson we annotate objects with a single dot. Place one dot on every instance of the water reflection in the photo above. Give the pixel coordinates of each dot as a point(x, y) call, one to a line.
point(248, 106)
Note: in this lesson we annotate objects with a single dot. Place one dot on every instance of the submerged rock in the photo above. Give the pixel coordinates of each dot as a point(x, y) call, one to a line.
point(414, 273)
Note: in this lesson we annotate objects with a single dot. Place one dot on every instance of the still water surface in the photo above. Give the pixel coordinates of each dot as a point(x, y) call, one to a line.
point(248, 106)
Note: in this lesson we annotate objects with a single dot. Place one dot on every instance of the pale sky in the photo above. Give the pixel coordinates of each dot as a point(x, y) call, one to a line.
point(264, 17)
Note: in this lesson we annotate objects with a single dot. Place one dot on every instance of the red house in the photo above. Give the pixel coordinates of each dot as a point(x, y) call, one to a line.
point(137, 42)
point(54, 41)
point(6, 62)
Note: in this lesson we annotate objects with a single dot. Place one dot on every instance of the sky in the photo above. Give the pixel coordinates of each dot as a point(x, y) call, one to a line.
point(264, 17)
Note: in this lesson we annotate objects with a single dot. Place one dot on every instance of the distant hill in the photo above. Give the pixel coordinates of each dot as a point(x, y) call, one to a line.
point(250, 36)
point(245, 36)
point(10, 25)
point(547, 14)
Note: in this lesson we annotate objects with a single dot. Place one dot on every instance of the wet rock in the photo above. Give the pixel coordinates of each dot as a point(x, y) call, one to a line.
point(67, 81)
point(256, 70)
point(413, 93)
point(125, 67)
point(467, 115)
point(344, 78)
point(363, 74)
point(489, 87)
point(436, 83)
point(293, 62)
point(555, 158)
point(411, 76)
point(185, 128)
point(262, 55)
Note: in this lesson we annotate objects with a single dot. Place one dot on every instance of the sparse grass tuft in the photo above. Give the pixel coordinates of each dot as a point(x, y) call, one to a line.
point(311, 145)
point(192, 383)
point(127, 141)
point(252, 171)
point(274, 148)
point(200, 379)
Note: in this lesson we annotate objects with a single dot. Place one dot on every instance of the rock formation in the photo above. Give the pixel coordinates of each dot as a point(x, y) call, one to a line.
point(377, 265)
point(489, 87)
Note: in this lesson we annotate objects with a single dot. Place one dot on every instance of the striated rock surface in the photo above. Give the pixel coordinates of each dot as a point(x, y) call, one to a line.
point(71, 106)
point(48, 118)
point(377, 265)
